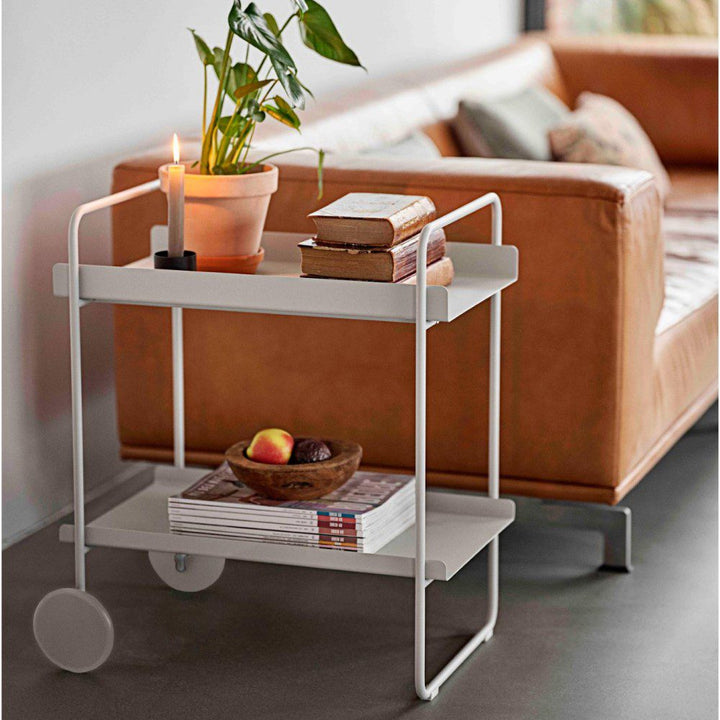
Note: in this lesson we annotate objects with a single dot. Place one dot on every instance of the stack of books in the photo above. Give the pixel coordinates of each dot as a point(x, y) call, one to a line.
point(362, 515)
point(374, 236)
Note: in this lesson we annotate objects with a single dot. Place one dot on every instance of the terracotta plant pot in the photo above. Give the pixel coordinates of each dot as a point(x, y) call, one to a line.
point(225, 216)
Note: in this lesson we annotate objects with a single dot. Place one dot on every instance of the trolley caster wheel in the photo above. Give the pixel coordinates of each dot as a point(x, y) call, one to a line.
point(74, 630)
point(188, 573)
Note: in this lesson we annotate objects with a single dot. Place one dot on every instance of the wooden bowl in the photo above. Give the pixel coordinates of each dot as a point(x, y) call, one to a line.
point(305, 481)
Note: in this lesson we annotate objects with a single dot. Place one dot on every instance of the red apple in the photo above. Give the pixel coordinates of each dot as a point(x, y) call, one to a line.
point(272, 446)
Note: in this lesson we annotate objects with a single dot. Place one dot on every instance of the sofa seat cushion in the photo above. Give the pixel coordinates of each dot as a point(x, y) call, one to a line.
point(691, 257)
point(693, 188)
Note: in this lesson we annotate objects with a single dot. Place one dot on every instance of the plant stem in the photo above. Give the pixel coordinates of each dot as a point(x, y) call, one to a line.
point(222, 150)
point(247, 147)
point(204, 120)
point(236, 146)
point(212, 128)
point(240, 141)
point(286, 23)
point(270, 87)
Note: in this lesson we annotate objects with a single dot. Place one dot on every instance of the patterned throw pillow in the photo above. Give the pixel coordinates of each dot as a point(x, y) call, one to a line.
point(602, 131)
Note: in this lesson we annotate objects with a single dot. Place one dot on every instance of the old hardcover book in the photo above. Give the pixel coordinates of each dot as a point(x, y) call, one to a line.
point(360, 263)
point(375, 219)
point(441, 272)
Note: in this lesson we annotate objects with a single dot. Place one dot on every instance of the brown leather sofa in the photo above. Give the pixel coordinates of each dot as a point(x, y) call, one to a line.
point(609, 337)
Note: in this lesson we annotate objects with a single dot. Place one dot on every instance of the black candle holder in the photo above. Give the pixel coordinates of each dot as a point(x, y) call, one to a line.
point(162, 261)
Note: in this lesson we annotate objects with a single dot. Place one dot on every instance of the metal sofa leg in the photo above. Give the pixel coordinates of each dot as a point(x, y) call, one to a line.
point(615, 524)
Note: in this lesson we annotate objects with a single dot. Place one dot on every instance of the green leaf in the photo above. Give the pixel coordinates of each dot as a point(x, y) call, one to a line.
point(320, 34)
point(282, 103)
point(252, 87)
point(283, 113)
point(218, 54)
point(290, 84)
point(254, 112)
point(239, 74)
point(204, 52)
point(251, 26)
point(229, 125)
point(272, 24)
point(306, 89)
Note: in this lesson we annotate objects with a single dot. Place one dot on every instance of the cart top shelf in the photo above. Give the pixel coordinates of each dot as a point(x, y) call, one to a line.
point(481, 270)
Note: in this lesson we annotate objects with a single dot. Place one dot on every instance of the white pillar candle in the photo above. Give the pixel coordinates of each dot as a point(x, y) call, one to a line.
point(176, 204)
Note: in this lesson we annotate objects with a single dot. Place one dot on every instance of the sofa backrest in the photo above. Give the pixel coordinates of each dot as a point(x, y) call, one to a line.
point(386, 111)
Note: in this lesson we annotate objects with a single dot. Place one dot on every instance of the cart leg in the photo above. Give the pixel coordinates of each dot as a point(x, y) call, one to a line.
point(178, 388)
point(188, 573)
point(72, 627)
point(425, 690)
point(77, 417)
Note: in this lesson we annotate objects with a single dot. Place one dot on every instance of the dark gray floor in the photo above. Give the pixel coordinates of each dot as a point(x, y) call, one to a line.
point(278, 642)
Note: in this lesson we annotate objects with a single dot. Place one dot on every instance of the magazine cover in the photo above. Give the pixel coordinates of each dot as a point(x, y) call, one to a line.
point(362, 493)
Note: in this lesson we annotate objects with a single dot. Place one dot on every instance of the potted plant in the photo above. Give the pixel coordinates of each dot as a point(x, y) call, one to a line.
point(227, 194)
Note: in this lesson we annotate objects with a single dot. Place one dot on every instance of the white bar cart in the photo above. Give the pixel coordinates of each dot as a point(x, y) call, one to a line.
point(72, 627)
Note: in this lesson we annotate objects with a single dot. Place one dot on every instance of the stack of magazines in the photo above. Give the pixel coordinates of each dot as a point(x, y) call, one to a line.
point(362, 515)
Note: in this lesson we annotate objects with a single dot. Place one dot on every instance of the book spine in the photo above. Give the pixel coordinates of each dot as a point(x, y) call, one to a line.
point(412, 219)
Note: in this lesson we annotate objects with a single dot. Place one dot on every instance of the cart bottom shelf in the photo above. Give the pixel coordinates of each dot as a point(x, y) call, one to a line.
point(458, 527)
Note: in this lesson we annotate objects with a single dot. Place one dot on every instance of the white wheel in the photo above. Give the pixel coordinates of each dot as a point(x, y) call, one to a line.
point(74, 630)
point(189, 573)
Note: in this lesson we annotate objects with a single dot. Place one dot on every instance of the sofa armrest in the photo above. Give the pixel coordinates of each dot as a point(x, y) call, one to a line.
point(669, 84)
point(591, 287)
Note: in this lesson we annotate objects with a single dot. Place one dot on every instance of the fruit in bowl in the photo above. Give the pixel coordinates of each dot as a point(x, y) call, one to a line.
point(271, 446)
point(307, 450)
point(299, 469)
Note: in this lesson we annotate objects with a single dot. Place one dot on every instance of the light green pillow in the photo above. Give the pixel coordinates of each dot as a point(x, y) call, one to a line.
point(515, 126)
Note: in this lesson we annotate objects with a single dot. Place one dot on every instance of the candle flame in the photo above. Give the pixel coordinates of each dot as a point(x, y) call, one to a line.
point(176, 149)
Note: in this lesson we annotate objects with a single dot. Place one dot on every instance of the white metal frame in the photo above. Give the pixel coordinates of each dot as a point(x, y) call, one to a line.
point(75, 360)
point(426, 691)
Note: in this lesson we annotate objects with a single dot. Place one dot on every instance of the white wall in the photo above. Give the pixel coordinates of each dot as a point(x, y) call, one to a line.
point(86, 83)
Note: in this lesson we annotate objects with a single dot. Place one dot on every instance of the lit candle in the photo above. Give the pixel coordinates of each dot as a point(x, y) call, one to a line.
point(176, 203)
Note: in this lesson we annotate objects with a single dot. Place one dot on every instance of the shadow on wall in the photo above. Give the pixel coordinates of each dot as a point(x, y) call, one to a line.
point(37, 472)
